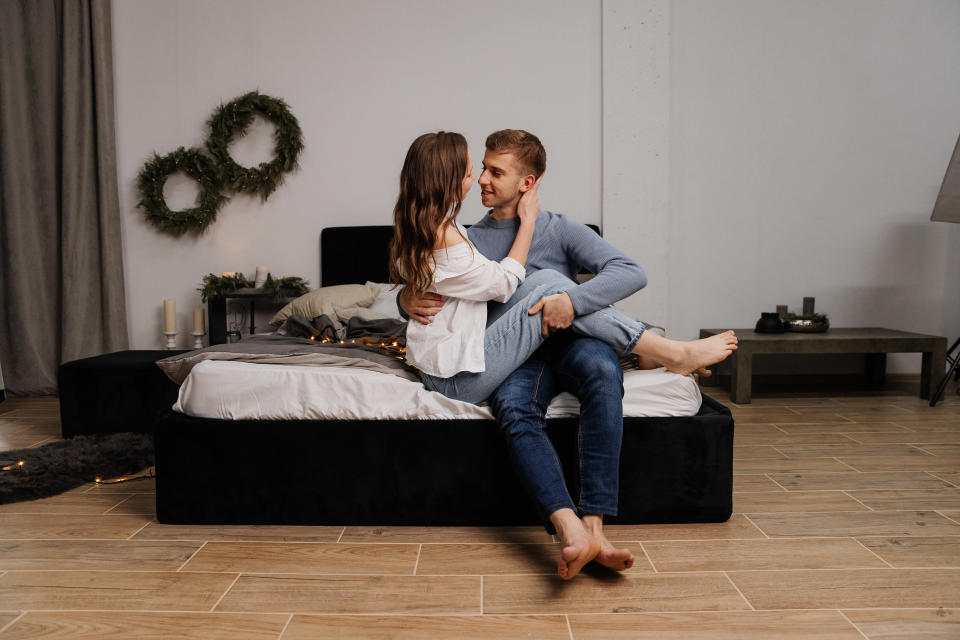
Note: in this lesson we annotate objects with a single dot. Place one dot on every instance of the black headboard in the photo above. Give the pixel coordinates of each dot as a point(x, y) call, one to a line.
point(354, 255)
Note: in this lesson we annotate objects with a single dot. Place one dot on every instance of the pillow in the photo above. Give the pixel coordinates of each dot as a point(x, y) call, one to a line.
point(344, 315)
point(322, 301)
point(386, 302)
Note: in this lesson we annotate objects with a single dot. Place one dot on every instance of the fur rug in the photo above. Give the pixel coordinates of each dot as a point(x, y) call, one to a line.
point(59, 466)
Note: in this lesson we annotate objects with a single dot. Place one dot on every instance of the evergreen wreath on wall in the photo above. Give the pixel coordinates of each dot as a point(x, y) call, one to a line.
point(198, 166)
point(233, 119)
point(217, 173)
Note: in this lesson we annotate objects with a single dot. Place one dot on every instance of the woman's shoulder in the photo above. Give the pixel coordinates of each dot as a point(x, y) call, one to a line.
point(453, 236)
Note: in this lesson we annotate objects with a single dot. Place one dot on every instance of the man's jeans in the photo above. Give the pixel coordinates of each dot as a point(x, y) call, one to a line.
point(513, 335)
point(590, 370)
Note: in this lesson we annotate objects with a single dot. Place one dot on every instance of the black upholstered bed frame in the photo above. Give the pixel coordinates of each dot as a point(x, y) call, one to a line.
point(417, 472)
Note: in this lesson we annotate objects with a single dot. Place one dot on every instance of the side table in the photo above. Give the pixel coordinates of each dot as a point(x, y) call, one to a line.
point(874, 341)
point(217, 311)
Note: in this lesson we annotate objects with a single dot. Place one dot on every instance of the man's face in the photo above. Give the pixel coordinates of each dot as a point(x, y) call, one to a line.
point(501, 180)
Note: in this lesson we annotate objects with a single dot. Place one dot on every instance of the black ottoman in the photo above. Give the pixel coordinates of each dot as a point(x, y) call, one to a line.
point(422, 472)
point(122, 391)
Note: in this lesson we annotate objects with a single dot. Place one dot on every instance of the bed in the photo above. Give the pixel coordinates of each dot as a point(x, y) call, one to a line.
point(403, 466)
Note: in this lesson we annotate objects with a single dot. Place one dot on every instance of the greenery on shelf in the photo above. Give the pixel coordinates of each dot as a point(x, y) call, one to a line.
point(286, 287)
point(215, 286)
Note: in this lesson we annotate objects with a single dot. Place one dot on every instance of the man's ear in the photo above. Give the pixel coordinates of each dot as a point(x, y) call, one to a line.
point(527, 183)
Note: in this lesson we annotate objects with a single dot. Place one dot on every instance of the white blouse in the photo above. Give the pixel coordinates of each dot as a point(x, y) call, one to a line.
point(453, 341)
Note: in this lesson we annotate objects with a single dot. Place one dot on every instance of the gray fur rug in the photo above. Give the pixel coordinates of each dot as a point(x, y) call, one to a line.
point(59, 466)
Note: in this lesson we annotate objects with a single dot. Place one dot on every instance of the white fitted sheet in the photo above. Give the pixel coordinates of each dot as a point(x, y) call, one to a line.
point(247, 391)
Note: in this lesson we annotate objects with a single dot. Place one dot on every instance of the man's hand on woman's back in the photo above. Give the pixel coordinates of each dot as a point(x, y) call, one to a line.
point(419, 307)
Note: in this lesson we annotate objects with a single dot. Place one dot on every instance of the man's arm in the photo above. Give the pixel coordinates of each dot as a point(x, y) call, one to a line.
point(616, 277)
point(420, 308)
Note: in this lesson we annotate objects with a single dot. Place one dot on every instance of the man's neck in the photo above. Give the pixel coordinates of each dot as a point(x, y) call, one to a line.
point(508, 212)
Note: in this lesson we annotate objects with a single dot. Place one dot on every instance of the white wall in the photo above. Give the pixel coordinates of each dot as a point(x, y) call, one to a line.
point(747, 153)
point(807, 142)
point(364, 78)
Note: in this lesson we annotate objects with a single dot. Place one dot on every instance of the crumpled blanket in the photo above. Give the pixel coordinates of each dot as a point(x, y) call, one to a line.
point(370, 350)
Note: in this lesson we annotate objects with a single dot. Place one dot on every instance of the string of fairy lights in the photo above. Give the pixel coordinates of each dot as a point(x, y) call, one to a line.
point(390, 346)
point(20, 465)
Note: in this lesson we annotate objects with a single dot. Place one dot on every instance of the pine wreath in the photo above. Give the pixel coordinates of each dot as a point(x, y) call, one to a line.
point(154, 175)
point(233, 119)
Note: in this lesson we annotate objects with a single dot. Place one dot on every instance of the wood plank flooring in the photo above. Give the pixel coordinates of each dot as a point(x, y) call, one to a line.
point(846, 526)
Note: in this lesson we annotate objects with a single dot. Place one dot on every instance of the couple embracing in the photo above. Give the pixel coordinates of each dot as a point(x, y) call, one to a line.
point(497, 315)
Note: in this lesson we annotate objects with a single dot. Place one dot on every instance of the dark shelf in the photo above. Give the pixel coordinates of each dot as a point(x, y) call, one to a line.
point(217, 311)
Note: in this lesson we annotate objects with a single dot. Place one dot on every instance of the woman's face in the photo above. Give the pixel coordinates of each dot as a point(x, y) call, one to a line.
point(468, 178)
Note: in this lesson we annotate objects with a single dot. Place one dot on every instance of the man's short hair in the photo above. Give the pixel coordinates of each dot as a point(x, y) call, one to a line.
point(525, 146)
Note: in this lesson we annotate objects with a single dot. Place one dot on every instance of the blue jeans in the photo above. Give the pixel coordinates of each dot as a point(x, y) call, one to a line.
point(513, 335)
point(590, 370)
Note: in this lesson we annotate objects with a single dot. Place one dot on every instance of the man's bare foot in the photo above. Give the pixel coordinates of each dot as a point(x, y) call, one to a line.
point(609, 556)
point(576, 554)
point(579, 547)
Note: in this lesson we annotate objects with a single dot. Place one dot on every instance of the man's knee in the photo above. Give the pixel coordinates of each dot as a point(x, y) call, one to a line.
point(515, 411)
point(608, 367)
point(516, 404)
point(595, 366)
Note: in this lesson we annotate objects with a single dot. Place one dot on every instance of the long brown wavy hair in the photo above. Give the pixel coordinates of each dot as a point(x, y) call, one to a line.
point(431, 194)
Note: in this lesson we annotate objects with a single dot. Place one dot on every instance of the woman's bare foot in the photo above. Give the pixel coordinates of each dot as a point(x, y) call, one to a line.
point(609, 556)
point(579, 547)
point(646, 363)
point(687, 357)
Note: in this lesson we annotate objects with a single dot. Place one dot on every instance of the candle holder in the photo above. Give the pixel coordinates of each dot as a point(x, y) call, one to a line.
point(198, 339)
point(171, 340)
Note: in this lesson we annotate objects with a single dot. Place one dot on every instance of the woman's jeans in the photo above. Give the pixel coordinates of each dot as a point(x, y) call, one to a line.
point(513, 335)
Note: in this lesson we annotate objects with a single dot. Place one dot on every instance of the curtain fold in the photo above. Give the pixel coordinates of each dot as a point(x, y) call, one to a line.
point(61, 271)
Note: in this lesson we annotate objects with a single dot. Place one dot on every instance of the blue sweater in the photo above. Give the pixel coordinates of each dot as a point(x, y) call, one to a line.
point(564, 245)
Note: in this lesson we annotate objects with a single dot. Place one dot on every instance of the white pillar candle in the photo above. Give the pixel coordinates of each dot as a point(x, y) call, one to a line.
point(170, 316)
point(261, 278)
point(198, 320)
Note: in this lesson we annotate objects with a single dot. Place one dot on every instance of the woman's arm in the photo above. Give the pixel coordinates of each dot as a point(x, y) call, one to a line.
point(477, 278)
point(527, 210)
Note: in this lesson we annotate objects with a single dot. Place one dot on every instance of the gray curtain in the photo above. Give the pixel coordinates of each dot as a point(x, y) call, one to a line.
point(61, 265)
point(947, 206)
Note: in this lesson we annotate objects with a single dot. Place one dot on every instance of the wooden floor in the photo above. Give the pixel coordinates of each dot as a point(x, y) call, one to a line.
point(846, 526)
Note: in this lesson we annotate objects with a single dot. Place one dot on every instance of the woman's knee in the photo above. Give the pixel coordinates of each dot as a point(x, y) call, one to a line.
point(552, 282)
point(550, 277)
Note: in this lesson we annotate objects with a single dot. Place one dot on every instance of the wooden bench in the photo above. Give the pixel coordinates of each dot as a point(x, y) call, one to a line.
point(873, 341)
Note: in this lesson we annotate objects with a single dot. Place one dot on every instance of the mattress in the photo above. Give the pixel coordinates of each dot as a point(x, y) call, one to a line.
point(247, 391)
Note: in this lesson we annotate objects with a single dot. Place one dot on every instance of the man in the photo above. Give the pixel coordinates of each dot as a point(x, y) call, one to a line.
point(586, 367)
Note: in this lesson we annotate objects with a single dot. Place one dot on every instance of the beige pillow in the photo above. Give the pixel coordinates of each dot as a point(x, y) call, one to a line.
point(323, 300)
point(364, 313)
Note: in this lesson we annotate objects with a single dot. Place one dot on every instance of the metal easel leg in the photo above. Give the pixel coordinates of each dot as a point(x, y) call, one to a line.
point(953, 359)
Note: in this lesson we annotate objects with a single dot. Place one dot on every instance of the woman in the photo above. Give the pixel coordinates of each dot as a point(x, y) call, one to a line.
point(458, 354)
